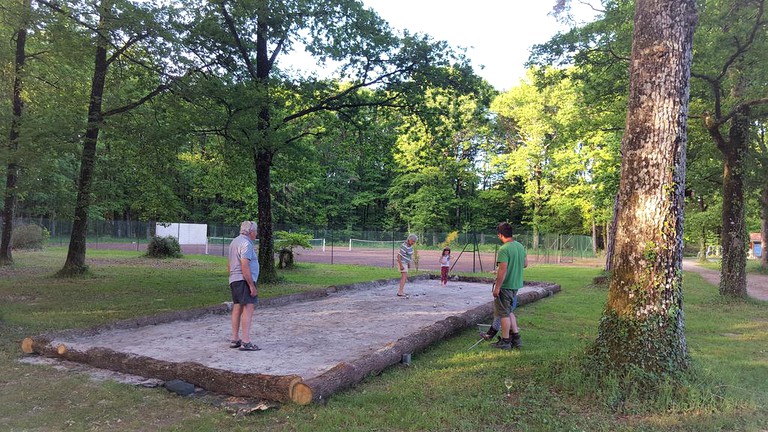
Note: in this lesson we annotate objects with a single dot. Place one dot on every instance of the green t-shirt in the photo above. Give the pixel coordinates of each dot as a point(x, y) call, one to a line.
point(512, 253)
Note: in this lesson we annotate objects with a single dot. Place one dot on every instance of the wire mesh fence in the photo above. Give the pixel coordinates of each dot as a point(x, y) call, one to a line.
point(346, 245)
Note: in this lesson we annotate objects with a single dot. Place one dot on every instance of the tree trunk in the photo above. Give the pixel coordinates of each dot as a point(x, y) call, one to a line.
point(75, 263)
point(703, 234)
point(610, 235)
point(764, 228)
point(263, 161)
point(642, 325)
point(12, 170)
point(733, 275)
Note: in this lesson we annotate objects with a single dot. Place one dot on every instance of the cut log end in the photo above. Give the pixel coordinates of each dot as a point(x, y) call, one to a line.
point(301, 393)
point(61, 349)
point(26, 346)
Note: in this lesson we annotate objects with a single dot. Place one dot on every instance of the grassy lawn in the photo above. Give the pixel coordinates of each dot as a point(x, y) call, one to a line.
point(446, 388)
point(753, 266)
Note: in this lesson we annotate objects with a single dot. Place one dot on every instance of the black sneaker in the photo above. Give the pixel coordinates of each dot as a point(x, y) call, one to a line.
point(516, 342)
point(504, 344)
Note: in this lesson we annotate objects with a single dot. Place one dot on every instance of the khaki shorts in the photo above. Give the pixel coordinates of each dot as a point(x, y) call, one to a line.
point(505, 303)
point(405, 268)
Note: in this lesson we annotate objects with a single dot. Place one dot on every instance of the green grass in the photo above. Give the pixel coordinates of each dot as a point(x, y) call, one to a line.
point(446, 388)
point(753, 266)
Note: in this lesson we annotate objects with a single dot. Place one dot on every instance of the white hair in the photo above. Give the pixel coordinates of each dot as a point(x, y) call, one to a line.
point(248, 227)
point(413, 237)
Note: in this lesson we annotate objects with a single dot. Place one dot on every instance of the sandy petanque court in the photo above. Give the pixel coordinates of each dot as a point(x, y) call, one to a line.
point(312, 344)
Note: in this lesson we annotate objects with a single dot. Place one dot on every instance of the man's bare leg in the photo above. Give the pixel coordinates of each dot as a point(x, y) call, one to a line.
point(237, 311)
point(513, 322)
point(505, 324)
point(245, 322)
point(403, 279)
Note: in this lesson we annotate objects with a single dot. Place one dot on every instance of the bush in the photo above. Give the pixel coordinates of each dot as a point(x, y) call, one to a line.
point(164, 247)
point(29, 237)
point(450, 239)
point(285, 243)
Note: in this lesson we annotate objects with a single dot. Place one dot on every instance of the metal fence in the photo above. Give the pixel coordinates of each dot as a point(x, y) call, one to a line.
point(135, 235)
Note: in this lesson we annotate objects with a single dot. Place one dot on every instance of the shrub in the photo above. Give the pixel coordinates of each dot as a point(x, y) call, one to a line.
point(450, 239)
point(29, 237)
point(164, 247)
point(285, 243)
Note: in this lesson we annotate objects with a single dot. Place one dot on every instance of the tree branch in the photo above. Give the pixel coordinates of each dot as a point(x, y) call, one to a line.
point(742, 48)
point(129, 43)
point(161, 88)
point(325, 104)
point(738, 107)
point(238, 42)
point(714, 84)
point(277, 50)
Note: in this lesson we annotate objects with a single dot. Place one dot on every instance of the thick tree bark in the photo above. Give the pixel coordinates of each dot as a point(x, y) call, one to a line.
point(267, 272)
point(263, 162)
point(12, 169)
point(642, 325)
point(733, 274)
point(75, 263)
point(764, 227)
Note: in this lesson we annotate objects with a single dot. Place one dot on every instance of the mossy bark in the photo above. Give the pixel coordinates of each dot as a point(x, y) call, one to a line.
point(733, 273)
point(764, 227)
point(642, 327)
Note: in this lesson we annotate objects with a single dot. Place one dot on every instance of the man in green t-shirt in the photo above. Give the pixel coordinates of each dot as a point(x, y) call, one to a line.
point(509, 278)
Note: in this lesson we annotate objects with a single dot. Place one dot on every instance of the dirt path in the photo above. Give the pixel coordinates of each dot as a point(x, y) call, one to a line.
point(757, 284)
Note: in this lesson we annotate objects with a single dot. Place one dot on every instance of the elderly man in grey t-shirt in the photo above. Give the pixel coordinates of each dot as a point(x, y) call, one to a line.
point(243, 267)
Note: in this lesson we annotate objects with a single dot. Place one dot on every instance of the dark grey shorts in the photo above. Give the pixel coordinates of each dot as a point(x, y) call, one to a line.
point(505, 303)
point(241, 294)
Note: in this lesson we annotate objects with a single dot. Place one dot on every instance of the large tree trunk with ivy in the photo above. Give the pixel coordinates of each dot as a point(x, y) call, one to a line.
point(733, 273)
point(736, 87)
point(12, 169)
point(764, 227)
point(763, 163)
point(642, 326)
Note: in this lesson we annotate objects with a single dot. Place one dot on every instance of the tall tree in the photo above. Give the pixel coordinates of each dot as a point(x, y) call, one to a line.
point(436, 150)
point(12, 170)
point(642, 326)
point(119, 34)
point(553, 150)
point(732, 44)
point(600, 53)
point(245, 39)
point(762, 158)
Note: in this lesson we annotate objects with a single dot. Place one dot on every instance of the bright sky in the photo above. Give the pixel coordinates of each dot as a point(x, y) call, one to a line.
point(497, 33)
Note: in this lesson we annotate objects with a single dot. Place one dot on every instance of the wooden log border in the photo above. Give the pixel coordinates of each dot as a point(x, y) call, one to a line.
point(281, 388)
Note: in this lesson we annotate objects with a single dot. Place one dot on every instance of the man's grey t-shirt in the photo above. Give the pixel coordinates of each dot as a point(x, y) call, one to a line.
point(241, 247)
